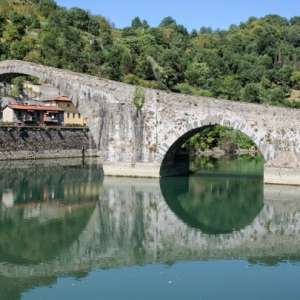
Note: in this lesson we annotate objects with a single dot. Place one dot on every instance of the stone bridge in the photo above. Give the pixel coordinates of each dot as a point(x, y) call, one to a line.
point(146, 142)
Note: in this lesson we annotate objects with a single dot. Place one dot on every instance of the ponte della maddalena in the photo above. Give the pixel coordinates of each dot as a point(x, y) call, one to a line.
point(146, 142)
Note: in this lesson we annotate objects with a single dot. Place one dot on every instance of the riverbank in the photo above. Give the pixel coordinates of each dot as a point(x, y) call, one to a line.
point(22, 143)
point(218, 153)
point(272, 176)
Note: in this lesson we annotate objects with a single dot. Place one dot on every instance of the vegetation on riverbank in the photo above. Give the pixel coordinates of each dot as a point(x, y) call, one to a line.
point(237, 166)
point(220, 137)
point(255, 61)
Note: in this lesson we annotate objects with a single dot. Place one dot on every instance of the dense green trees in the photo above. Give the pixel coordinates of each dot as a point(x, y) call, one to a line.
point(257, 61)
point(220, 137)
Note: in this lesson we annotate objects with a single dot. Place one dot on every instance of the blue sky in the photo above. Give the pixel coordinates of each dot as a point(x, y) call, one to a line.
point(191, 13)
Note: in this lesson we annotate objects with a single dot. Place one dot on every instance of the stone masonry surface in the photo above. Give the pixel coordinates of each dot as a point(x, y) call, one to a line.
point(28, 143)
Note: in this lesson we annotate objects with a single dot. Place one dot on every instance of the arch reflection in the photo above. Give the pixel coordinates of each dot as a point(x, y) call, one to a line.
point(44, 210)
point(214, 204)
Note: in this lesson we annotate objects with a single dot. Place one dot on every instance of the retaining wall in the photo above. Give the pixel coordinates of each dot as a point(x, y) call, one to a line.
point(41, 143)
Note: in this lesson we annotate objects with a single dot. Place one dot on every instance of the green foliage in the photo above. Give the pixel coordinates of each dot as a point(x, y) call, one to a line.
point(251, 93)
point(230, 88)
point(257, 61)
point(221, 137)
point(17, 86)
point(82, 20)
point(185, 88)
point(136, 23)
point(46, 6)
point(197, 74)
point(139, 98)
point(159, 72)
point(168, 21)
point(296, 79)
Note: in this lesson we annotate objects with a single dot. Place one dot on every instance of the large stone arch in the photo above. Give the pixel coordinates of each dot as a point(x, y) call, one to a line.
point(181, 134)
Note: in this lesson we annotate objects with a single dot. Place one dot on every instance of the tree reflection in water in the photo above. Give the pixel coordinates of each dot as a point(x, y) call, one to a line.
point(66, 222)
point(215, 203)
point(44, 210)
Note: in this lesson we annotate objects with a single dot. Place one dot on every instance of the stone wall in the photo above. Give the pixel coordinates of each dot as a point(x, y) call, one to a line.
point(38, 143)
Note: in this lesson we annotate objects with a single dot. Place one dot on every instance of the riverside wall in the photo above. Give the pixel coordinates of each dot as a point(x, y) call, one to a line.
point(42, 143)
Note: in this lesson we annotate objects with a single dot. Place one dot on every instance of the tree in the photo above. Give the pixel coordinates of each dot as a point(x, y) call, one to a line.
point(2, 24)
point(19, 49)
point(136, 23)
point(295, 21)
point(273, 96)
point(46, 6)
point(17, 86)
point(251, 93)
point(194, 33)
point(82, 20)
point(230, 88)
point(11, 33)
point(197, 74)
point(296, 79)
point(204, 30)
point(145, 24)
point(159, 72)
point(118, 61)
point(167, 21)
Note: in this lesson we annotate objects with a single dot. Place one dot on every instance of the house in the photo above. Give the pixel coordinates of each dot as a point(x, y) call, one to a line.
point(4, 101)
point(29, 114)
point(71, 115)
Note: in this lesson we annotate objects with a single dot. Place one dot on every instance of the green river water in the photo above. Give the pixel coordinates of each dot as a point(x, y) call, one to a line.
point(67, 232)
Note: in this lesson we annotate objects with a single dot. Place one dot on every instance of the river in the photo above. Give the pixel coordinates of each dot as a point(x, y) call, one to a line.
point(68, 232)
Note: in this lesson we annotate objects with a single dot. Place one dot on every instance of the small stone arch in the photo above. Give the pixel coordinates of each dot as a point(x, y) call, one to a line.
point(180, 134)
point(79, 88)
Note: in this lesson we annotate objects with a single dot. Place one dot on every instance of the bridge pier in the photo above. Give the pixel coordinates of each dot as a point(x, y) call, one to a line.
point(283, 169)
point(282, 176)
point(272, 175)
point(143, 170)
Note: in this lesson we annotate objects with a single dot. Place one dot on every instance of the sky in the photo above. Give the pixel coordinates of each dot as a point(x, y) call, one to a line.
point(191, 13)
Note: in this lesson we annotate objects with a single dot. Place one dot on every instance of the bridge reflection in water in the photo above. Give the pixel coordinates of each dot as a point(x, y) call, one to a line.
point(215, 205)
point(69, 220)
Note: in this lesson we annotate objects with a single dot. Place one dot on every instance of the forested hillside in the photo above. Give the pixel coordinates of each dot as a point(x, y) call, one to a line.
point(256, 61)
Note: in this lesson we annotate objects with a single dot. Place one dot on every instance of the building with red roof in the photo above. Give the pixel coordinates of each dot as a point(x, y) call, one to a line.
point(31, 114)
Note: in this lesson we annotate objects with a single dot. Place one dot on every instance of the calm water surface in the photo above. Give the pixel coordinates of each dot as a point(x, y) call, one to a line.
point(67, 232)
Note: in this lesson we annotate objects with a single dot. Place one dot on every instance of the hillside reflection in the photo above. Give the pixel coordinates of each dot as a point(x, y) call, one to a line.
point(70, 220)
point(43, 211)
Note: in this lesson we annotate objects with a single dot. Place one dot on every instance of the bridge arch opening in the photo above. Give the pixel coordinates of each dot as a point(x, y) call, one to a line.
point(212, 179)
point(209, 141)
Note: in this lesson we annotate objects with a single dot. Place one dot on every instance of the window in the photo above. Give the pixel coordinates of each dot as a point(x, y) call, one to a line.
point(68, 115)
point(74, 115)
point(79, 116)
